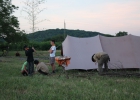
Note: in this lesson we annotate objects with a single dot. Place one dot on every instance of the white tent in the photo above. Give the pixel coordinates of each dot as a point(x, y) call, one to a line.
point(80, 51)
point(124, 51)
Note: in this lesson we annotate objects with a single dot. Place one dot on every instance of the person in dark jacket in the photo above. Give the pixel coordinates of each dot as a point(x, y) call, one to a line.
point(30, 59)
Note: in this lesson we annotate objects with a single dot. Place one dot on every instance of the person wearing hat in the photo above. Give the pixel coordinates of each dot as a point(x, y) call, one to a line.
point(30, 59)
point(101, 58)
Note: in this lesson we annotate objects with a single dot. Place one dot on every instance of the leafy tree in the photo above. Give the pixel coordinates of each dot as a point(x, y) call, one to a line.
point(121, 33)
point(8, 22)
point(32, 8)
point(17, 37)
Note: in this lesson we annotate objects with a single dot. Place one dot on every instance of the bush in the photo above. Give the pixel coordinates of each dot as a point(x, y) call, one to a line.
point(44, 46)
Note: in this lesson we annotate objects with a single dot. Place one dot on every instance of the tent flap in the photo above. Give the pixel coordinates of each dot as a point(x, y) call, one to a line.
point(120, 50)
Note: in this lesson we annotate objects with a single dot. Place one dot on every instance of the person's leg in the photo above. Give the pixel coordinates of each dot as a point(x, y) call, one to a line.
point(106, 59)
point(23, 73)
point(106, 66)
point(52, 61)
point(53, 68)
point(42, 72)
point(32, 67)
point(29, 68)
point(100, 64)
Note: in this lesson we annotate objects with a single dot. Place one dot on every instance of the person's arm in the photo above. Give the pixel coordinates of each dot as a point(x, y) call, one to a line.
point(34, 49)
point(37, 68)
point(51, 50)
point(95, 58)
point(25, 69)
point(26, 52)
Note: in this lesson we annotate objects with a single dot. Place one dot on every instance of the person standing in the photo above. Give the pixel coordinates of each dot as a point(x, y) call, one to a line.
point(101, 58)
point(30, 59)
point(52, 52)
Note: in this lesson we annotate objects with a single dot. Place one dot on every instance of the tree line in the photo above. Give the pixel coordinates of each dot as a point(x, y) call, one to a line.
point(43, 45)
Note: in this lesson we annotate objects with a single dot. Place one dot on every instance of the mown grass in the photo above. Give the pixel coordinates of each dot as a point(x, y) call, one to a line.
point(14, 86)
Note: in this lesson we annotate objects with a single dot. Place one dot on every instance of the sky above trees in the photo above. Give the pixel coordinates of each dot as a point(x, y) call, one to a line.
point(105, 16)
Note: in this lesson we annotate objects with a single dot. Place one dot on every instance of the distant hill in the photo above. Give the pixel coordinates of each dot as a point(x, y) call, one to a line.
point(42, 35)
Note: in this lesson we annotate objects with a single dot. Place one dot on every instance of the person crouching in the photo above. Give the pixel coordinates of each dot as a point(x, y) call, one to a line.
point(41, 67)
point(24, 71)
point(101, 58)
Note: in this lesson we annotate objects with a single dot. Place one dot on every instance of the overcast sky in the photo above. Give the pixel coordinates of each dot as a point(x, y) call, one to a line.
point(105, 16)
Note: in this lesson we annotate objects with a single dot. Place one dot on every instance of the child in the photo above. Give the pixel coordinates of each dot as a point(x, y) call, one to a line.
point(24, 71)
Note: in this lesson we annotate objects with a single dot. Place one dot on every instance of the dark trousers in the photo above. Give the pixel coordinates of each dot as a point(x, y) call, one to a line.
point(30, 66)
point(41, 72)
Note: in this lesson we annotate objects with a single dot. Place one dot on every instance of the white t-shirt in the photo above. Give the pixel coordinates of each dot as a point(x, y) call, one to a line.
point(54, 51)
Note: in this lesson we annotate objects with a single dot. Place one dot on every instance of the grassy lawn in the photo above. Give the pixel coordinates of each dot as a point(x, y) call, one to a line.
point(14, 86)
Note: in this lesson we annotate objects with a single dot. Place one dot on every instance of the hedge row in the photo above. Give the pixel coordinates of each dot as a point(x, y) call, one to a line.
point(37, 45)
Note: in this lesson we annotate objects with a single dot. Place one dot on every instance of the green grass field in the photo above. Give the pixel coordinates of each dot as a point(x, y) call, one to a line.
point(14, 86)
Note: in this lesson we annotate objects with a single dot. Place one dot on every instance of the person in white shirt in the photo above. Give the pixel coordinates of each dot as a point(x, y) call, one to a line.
point(52, 52)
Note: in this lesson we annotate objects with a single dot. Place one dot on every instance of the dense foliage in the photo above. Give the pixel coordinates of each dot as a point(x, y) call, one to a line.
point(121, 33)
point(41, 40)
point(10, 35)
point(9, 24)
point(51, 33)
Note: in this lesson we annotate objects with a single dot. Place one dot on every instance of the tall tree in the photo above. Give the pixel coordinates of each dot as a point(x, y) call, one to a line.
point(8, 22)
point(32, 8)
point(121, 33)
